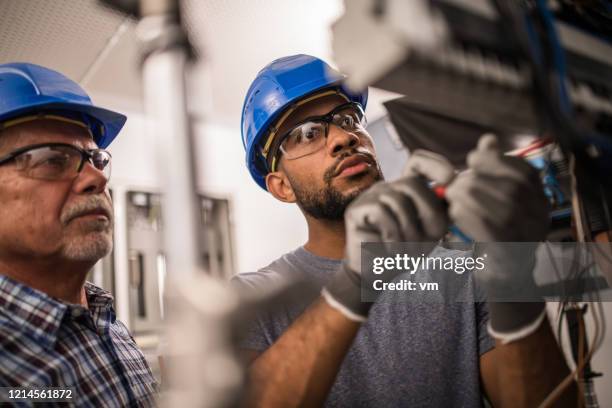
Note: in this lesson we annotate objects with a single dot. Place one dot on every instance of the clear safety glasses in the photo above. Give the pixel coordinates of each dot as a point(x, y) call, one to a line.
point(57, 161)
point(310, 135)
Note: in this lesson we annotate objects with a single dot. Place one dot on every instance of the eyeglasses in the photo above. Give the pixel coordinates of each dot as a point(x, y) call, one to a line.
point(57, 161)
point(310, 135)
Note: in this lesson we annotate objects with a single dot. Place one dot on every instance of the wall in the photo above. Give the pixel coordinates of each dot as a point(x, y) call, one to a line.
point(263, 228)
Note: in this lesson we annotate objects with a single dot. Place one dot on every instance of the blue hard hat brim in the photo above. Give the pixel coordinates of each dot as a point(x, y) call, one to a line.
point(112, 121)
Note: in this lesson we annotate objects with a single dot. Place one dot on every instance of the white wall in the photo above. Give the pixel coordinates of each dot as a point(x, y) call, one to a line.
point(263, 228)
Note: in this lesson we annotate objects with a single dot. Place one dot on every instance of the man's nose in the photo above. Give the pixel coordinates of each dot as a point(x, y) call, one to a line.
point(90, 180)
point(340, 140)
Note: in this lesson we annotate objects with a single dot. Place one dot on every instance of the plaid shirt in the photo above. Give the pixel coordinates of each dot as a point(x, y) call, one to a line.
point(48, 343)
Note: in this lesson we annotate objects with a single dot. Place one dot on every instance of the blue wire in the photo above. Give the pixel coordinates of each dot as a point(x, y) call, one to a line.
point(559, 56)
point(534, 44)
point(460, 234)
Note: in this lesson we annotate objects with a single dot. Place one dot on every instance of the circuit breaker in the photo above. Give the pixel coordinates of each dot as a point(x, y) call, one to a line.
point(146, 262)
point(216, 237)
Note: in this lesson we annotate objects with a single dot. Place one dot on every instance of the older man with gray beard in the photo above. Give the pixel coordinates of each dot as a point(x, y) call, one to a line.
point(58, 334)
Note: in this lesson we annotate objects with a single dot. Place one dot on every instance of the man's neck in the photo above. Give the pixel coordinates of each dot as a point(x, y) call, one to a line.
point(326, 238)
point(63, 282)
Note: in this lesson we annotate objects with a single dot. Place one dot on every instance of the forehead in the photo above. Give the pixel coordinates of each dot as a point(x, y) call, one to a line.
point(44, 131)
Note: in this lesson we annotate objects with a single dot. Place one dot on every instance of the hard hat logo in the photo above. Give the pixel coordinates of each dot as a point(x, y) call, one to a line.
point(28, 90)
point(280, 85)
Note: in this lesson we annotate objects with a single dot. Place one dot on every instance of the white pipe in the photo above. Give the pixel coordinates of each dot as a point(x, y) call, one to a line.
point(168, 125)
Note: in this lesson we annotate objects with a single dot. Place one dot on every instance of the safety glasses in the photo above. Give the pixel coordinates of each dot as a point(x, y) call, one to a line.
point(310, 135)
point(57, 161)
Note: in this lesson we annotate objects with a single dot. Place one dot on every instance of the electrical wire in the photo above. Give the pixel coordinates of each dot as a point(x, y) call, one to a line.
point(581, 361)
point(552, 99)
point(560, 315)
point(576, 272)
point(597, 309)
point(577, 208)
point(558, 56)
point(597, 341)
point(571, 377)
point(538, 144)
point(521, 24)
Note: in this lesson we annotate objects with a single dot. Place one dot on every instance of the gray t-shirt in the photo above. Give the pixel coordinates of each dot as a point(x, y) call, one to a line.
point(406, 354)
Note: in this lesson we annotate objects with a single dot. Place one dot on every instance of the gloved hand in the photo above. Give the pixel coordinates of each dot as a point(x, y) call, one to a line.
point(501, 199)
point(398, 211)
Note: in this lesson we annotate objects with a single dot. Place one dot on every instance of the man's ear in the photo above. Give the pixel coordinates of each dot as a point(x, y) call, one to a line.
point(279, 186)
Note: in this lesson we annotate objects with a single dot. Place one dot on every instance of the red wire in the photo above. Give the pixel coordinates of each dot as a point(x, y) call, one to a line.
point(535, 145)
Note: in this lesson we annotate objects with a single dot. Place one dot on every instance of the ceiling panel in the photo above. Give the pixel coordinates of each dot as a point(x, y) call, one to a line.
point(66, 35)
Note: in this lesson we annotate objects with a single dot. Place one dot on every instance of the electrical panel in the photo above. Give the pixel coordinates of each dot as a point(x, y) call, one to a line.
point(146, 262)
point(216, 238)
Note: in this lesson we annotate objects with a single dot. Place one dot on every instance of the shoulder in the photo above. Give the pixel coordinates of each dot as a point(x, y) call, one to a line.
point(119, 329)
point(256, 280)
point(278, 271)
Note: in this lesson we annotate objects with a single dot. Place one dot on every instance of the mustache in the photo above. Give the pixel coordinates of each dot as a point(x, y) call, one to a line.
point(331, 170)
point(86, 205)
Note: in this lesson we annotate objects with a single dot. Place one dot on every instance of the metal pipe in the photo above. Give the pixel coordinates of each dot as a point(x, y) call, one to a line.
point(168, 124)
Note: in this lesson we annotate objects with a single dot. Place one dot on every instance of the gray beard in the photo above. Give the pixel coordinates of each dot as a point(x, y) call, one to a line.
point(88, 249)
point(93, 244)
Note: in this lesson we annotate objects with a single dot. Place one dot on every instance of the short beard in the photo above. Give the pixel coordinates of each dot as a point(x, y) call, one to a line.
point(89, 240)
point(89, 249)
point(328, 204)
point(93, 242)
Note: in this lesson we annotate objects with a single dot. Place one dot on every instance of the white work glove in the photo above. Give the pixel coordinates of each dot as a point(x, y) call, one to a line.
point(501, 199)
point(405, 210)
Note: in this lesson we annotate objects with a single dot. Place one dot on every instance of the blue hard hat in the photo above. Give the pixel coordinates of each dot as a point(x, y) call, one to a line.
point(278, 86)
point(28, 89)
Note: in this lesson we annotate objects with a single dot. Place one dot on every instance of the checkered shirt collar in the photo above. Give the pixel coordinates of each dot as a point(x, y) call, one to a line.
point(39, 314)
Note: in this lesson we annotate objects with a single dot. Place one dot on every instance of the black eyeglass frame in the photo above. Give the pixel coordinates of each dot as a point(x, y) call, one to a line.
point(86, 154)
point(327, 119)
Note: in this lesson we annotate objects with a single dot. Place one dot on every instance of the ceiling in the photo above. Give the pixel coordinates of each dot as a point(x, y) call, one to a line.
point(73, 37)
point(234, 39)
